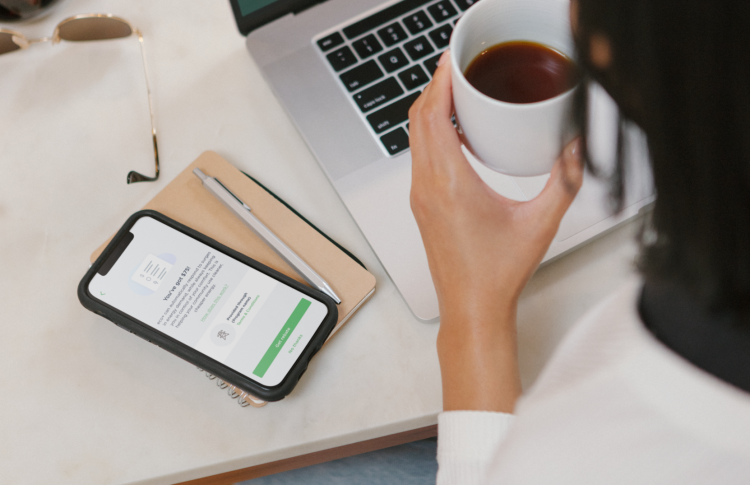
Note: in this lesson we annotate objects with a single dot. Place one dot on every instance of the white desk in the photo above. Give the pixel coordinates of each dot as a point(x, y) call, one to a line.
point(83, 402)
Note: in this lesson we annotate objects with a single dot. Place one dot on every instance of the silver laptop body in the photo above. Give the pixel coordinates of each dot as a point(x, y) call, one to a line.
point(374, 186)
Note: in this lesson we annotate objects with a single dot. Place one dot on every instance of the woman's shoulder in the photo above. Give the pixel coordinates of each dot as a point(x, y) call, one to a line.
point(612, 339)
point(613, 399)
point(596, 341)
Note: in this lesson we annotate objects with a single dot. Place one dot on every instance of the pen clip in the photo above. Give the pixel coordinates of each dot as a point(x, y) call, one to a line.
point(199, 173)
point(247, 207)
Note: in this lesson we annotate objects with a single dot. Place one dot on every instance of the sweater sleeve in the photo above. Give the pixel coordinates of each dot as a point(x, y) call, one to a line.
point(466, 443)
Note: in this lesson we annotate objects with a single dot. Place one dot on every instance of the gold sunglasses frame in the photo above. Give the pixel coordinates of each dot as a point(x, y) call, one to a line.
point(24, 43)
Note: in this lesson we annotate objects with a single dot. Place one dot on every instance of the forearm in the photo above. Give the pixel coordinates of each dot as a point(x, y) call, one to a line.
point(479, 362)
point(481, 248)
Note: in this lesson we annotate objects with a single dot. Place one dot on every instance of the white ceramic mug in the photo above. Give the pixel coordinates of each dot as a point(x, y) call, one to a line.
point(514, 139)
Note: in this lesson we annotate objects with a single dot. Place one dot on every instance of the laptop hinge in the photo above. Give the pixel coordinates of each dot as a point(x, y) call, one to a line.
point(302, 8)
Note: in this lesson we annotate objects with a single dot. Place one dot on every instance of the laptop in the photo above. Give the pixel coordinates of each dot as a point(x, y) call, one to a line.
point(346, 72)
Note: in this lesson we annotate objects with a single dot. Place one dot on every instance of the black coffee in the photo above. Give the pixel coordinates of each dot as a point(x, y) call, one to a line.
point(521, 72)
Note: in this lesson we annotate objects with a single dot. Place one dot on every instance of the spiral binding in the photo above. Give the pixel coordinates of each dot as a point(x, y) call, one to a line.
point(233, 394)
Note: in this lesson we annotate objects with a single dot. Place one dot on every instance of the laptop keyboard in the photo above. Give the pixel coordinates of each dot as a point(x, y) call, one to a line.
point(383, 61)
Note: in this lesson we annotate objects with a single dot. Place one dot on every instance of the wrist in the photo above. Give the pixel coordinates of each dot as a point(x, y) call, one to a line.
point(479, 363)
point(481, 316)
point(474, 337)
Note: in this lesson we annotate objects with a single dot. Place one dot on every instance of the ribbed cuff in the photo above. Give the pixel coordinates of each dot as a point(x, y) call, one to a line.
point(466, 443)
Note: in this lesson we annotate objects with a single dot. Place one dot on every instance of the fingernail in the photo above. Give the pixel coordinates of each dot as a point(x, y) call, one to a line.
point(444, 57)
point(575, 147)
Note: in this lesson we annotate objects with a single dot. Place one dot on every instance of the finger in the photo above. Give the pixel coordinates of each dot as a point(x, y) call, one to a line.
point(439, 90)
point(433, 133)
point(445, 57)
point(436, 102)
point(438, 96)
point(429, 119)
point(564, 182)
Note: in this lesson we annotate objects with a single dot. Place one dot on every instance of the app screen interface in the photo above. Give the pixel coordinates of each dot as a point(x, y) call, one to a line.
point(230, 312)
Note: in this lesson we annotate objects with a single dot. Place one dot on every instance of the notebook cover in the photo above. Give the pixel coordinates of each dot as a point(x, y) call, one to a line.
point(186, 201)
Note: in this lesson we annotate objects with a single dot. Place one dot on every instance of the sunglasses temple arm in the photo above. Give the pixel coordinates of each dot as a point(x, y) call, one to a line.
point(134, 176)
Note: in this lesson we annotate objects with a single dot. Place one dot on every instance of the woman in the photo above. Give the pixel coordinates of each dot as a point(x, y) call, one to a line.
point(654, 385)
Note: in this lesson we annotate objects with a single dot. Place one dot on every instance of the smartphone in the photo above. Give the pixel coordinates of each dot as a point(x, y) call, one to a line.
point(238, 319)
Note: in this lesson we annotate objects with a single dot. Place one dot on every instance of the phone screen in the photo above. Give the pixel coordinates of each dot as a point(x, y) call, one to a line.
point(209, 301)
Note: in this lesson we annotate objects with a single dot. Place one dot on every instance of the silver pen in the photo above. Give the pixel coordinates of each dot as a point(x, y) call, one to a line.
point(243, 212)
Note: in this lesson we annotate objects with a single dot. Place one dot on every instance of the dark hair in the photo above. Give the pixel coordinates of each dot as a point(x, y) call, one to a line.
point(681, 71)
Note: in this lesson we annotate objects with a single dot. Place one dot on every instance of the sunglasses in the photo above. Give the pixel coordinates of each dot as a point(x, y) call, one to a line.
point(89, 27)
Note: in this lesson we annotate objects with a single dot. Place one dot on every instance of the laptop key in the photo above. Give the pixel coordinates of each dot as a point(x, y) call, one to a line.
point(395, 141)
point(442, 36)
point(393, 114)
point(392, 34)
point(417, 22)
point(341, 58)
point(328, 43)
point(378, 95)
point(367, 46)
point(413, 77)
point(361, 75)
point(407, 38)
point(431, 63)
point(442, 11)
point(418, 48)
point(464, 4)
point(383, 17)
point(393, 60)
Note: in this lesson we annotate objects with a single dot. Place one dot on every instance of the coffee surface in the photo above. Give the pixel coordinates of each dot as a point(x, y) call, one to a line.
point(521, 72)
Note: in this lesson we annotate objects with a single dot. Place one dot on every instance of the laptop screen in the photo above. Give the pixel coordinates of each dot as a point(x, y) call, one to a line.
point(249, 6)
point(251, 14)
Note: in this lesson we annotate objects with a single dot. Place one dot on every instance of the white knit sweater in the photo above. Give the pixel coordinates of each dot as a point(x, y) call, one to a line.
point(613, 406)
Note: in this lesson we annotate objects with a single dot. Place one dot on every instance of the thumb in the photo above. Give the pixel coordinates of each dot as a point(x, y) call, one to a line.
point(564, 182)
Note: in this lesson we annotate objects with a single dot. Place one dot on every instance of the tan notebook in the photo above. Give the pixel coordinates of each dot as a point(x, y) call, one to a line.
point(186, 201)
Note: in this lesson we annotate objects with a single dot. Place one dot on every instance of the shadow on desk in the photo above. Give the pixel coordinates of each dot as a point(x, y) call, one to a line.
point(404, 458)
point(408, 464)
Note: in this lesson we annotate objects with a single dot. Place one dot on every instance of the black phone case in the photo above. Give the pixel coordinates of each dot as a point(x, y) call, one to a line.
point(181, 350)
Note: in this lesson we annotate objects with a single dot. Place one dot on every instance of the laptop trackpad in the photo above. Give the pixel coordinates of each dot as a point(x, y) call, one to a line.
point(588, 208)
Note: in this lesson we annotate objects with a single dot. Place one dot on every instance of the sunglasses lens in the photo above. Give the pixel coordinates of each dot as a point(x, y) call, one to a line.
point(7, 44)
point(93, 28)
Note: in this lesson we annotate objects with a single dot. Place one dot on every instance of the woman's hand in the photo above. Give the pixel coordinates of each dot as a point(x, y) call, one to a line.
point(482, 249)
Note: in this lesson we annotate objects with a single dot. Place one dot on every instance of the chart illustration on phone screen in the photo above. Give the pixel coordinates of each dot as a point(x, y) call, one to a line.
point(152, 272)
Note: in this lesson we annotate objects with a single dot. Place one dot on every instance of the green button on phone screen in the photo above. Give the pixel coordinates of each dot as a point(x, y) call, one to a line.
point(281, 338)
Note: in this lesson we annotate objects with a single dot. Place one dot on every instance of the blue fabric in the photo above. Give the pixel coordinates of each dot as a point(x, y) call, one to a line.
point(409, 464)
